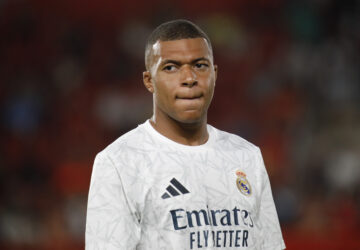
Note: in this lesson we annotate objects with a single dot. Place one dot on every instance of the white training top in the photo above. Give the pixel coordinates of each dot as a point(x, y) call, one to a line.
point(149, 192)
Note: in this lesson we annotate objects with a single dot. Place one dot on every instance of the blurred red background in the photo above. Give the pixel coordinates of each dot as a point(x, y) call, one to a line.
point(71, 83)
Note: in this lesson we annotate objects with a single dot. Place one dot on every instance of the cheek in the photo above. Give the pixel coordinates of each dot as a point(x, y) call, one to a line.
point(210, 84)
point(210, 87)
point(162, 92)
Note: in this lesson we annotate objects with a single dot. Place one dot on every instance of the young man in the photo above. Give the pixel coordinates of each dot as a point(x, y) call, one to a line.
point(176, 182)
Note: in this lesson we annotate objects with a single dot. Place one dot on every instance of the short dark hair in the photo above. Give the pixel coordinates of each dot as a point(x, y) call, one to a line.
point(174, 30)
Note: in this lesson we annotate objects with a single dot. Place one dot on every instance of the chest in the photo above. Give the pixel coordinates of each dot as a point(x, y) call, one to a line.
point(192, 188)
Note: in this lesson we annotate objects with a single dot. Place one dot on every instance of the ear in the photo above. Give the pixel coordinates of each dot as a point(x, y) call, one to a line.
point(216, 71)
point(148, 81)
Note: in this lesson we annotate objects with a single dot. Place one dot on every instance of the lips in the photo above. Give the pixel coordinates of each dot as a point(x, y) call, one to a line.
point(189, 97)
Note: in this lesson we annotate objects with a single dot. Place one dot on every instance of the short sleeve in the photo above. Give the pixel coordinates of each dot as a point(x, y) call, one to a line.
point(110, 222)
point(271, 233)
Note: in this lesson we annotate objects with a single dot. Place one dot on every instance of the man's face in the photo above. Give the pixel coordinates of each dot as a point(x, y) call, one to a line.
point(182, 78)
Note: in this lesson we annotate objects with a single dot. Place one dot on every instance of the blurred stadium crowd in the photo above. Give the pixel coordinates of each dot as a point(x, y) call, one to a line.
point(71, 83)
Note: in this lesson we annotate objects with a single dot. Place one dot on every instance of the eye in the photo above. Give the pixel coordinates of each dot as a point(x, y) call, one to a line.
point(201, 65)
point(169, 68)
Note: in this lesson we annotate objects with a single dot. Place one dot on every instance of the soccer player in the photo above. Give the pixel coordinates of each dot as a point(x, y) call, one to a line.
point(175, 182)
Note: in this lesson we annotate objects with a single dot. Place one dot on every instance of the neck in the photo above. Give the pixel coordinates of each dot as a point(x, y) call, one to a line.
point(192, 134)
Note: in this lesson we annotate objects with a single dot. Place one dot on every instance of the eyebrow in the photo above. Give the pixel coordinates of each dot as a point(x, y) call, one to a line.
point(179, 63)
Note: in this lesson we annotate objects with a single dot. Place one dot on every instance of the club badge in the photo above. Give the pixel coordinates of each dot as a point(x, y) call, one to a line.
point(242, 183)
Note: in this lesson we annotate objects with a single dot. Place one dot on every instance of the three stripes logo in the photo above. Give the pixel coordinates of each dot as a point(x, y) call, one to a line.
point(175, 189)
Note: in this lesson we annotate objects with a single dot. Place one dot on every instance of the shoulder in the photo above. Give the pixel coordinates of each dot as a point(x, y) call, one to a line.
point(127, 144)
point(230, 141)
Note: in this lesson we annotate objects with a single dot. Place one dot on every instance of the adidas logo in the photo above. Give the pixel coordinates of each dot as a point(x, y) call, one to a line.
point(174, 189)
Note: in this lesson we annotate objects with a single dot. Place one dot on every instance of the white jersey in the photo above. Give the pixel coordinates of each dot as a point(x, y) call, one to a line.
point(149, 192)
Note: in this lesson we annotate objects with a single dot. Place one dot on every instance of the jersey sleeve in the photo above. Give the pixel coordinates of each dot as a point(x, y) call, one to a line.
point(271, 233)
point(110, 221)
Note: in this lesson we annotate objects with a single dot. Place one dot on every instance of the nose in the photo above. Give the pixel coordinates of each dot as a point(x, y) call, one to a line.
point(189, 77)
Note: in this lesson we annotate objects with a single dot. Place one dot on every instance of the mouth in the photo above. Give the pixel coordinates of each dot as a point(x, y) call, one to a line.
point(189, 97)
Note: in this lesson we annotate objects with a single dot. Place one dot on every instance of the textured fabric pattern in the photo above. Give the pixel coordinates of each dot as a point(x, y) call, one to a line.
point(148, 192)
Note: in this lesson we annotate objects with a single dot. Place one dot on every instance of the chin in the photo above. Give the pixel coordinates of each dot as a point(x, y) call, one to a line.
point(191, 117)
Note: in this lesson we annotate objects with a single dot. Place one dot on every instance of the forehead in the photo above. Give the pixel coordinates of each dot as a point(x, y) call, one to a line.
point(184, 49)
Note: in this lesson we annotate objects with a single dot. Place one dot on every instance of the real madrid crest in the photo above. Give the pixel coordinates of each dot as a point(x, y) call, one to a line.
point(242, 183)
